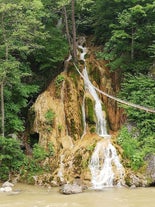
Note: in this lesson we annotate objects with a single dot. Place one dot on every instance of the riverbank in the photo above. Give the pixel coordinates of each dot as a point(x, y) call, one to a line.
point(35, 196)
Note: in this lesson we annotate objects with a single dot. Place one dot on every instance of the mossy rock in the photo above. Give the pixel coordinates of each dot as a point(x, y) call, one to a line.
point(92, 129)
point(74, 130)
point(90, 114)
point(95, 74)
point(74, 75)
point(58, 85)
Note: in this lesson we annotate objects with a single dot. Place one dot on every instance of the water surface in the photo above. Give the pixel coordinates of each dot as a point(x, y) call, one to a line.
point(33, 196)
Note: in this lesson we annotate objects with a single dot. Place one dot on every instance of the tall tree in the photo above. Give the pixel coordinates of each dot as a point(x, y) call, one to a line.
point(21, 27)
point(70, 32)
point(106, 13)
point(74, 31)
point(132, 37)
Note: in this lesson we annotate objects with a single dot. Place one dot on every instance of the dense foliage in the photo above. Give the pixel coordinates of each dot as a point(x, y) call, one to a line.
point(37, 163)
point(29, 52)
point(140, 140)
point(140, 90)
point(129, 34)
point(135, 148)
point(11, 157)
point(13, 162)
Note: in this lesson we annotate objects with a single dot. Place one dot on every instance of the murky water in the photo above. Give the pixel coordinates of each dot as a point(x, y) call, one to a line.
point(33, 196)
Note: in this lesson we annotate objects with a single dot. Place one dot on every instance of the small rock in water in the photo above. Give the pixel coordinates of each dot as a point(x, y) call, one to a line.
point(2, 190)
point(7, 184)
point(6, 189)
point(71, 189)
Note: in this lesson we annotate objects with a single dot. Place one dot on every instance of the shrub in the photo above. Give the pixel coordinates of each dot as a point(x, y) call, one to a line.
point(140, 90)
point(35, 165)
point(135, 149)
point(11, 157)
point(49, 116)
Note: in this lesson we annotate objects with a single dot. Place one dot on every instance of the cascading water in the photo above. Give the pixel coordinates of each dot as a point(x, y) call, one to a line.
point(105, 165)
point(101, 122)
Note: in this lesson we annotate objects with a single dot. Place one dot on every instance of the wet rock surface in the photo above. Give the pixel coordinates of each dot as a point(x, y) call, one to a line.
point(6, 187)
point(150, 171)
point(71, 189)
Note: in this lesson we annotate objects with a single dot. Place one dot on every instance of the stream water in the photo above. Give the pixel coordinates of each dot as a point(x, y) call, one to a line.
point(33, 196)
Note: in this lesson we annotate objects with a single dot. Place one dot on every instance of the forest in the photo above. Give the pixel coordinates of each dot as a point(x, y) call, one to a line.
point(36, 38)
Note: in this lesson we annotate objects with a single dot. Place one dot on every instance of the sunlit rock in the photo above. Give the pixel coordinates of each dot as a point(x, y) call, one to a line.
point(71, 189)
point(150, 170)
point(7, 184)
point(6, 189)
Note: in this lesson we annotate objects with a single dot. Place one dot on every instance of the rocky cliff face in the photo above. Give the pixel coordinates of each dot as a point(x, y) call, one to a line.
point(57, 117)
point(57, 112)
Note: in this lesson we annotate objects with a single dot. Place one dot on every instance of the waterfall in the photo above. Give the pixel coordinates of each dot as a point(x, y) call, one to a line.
point(105, 166)
point(83, 53)
point(101, 122)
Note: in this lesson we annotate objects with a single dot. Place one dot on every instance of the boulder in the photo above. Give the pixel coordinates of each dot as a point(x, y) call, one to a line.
point(7, 184)
point(6, 189)
point(71, 189)
point(150, 170)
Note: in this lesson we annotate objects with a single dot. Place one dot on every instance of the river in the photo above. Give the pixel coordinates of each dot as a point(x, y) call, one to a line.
point(33, 196)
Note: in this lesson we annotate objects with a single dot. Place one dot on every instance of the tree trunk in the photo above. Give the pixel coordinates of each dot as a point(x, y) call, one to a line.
point(67, 27)
point(132, 44)
point(2, 109)
point(74, 31)
point(4, 75)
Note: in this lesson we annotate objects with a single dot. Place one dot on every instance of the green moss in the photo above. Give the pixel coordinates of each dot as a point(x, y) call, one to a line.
point(91, 147)
point(104, 107)
point(90, 115)
point(92, 129)
point(90, 66)
point(58, 83)
point(85, 163)
point(87, 56)
point(96, 75)
point(60, 127)
point(74, 76)
point(82, 122)
point(50, 116)
point(48, 129)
